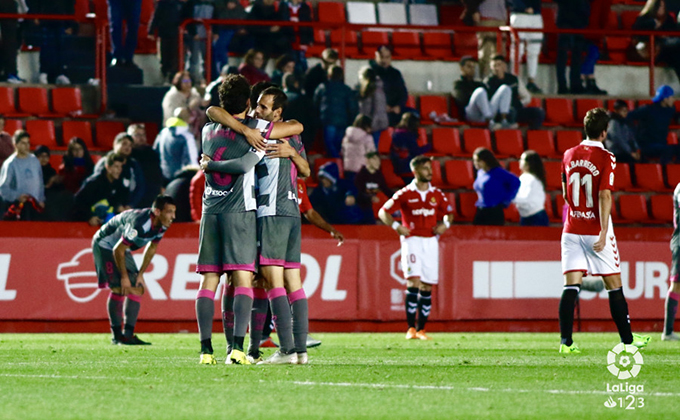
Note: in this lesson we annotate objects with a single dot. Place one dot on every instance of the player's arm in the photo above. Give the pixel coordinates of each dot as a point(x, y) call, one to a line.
point(284, 150)
point(443, 224)
point(239, 165)
point(318, 221)
point(149, 253)
point(252, 135)
point(604, 198)
point(388, 220)
point(119, 257)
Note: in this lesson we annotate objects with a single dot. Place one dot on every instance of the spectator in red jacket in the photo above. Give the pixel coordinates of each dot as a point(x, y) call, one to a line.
point(251, 67)
point(77, 165)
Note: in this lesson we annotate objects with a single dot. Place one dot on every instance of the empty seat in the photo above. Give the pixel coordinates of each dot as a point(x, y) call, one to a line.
point(513, 167)
point(106, 133)
point(81, 129)
point(8, 104)
point(385, 141)
point(66, 101)
point(511, 214)
point(437, 45)
point(371, 40)
point(42, 132)
point(319, 44)
point(392, 14)
point(628, 17)
point(633, 207)
point(509, 143)
point(446, 141)
point(649, 177)
point(559, 111)
point(407, 44)
point(459, 173)
point(351, 41)
point(584, 105)
point(622, 178)
point(422, 136)
point(56, 161)
point(387, 169)
point(672, 175)
point(332, 12)
point(361, 13)
point(542, 142)
point(432, 103)
point(437, 178)
point(465, 43)
point(466, 206)
point(566, 139)
point(550, 209)
point(423, 14)
point(476, 137)
point(12, 125)
point(33, 101)
point(553, 175)
point(662, 207)
point(561, 208)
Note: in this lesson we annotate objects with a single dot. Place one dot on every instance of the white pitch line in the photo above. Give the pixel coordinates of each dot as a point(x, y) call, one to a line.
point(473, 389)
point(108, 378)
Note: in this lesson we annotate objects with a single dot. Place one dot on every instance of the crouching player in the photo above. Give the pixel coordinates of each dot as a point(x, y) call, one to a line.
point(116, 269)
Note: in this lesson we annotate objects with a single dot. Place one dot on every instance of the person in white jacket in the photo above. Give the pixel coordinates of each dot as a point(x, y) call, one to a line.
point(530, 199)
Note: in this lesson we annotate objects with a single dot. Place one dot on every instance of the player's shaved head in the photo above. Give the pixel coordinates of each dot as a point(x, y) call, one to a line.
point(234, 93)
point(595, 123)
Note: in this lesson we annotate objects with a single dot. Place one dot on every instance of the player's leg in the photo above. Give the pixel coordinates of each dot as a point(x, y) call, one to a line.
point(299, 310)
point(672, 298)
point(424, 308)
point(281, 314)
point(410, 265)
point(228, 313)
point(133, 303)
point(618, 307)
point(574, 264)
point(108, 276)
point(428, 254)
point(258, 317)
point(209, 266)
point(243, 305)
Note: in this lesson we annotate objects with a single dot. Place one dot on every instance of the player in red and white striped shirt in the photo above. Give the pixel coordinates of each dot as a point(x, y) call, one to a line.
point(425, 214)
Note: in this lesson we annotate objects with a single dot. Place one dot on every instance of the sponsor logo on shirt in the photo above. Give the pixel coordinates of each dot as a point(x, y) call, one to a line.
point(216, 193)
point(582, 214)
point(423, 212)
point(415, 200)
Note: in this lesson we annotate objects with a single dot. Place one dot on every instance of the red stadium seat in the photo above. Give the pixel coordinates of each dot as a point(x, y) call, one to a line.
point(567, 139)
point(407, 45)
point(432, 103)
point(446, 141)
point(351, 41)
point(649, 177)
point(459, 173)
point(476, 137)
point(371, 40)
point(42, 132)
point(437, 45)
point(584, 105)
point(385, 141)
point(81, 129)
point(622, 178)
point(382, 199)
point(643, 102)
point(56, 161)
point(451, 197)
point(535, 102)
point(152, 131)
point(466, 206)
point(465, 43)
point(542, 142)
point(437, 178)
point(633, 208)
point(672, 175)
point(422, 136)
point(8, 104)
point(322, 161)
point(411, 101)
point(628, 17)
point(106, 133)
point(509, 143)
point(33, 100)
point(560, 207)
point(511, 214)
point(513, 167)
point(559, 111)
point(662, 207)
point(387, 169)
point(145, 45)
point(672, 137)
point(553, 175)
point(449, 14)
point(550, 209)
point(13, 125)
point(66, 101)
point(319, 45)
point(332, 12)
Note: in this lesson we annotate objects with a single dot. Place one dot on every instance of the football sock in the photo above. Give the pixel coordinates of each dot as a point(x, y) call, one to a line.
point(228, 315)
point(114, 306)
point(619, 309)
point(411, 306)
point(567, 304)
point(206, 346)
point(671, 310)
point(424, 307)
point(300, 311)
point(268, 324)
point(132, 306)
point(257, 320)
point(282, 319)
point(243, 305)
point(205, 311)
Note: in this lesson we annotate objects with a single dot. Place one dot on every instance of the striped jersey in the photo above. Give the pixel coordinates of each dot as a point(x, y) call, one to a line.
point(228, 193)
point(134, 226)
point(277, 184)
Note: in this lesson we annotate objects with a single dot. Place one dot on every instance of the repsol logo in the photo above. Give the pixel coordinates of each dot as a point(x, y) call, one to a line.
point(215, 193)
point(423, 212)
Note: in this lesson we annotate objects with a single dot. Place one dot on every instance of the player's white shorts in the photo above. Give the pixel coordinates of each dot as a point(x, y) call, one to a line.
point(578, 255)
point(420, 258)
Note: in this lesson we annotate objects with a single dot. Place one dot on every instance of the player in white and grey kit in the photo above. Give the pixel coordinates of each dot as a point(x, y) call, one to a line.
point(116, 269)
point(674, 290)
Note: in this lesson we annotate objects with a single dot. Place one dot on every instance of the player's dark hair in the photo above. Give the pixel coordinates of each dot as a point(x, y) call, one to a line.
point(535, 164)
point(486, 156)
point(256, 90)
point(364, 122)
point(234, 93)
point(279, 99)
point(121, 137)
point(418, 161)
point(595, 122)
point(161, 200)
point(620, 103)
point(20, 134)
point(336, 74)
point(409, 121)
point(113, 157)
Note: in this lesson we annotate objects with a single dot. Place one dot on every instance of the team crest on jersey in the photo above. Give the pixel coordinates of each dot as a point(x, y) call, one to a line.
point(132, 234)
point(433, 201)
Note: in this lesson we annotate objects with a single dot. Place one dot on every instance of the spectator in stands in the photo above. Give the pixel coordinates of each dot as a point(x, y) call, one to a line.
point(300, 108)
point(212, 97)
point(656, 17)
point(530, 198)
point(58, 200)
point(527, 14)
point(571, 14)
point(225, 35)
point(6, 143)
point(195, 36)
point(372, 101)
point(405, 146)
point(369, 182)
point(652, 129)
point(132, 176)
point(103, 194)
point(149, 161)
point(599, 18)
point(53, 34)
point(520, 113)
point(488, 13)
point(621, 136)
point(175, 145)
point(180, 95)
point(50, 177)
point(472, 98)
point(337, 105)
point(271, 40)
point(178, 189)
point(393, 84)
point(165, 22)
point(356, 143)
point(251, 67)
point(284, 64)
point(130, 12)
point(76, 165)
point(9, 44)
point(21, 179)
point(495, 187)
point(334, 198)
point(300, 11)
point(319, 73)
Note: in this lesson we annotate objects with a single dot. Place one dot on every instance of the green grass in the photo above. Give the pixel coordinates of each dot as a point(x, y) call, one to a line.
point(371, 376)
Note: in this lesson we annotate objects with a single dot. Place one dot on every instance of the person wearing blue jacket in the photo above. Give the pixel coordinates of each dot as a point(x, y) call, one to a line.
point(495, 187)
point(652, 126)
point(337, 105)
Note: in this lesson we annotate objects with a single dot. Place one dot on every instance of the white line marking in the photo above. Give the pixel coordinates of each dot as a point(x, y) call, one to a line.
point(108, 378)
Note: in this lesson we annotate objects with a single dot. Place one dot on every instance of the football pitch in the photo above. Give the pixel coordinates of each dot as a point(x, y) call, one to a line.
point(351, 376)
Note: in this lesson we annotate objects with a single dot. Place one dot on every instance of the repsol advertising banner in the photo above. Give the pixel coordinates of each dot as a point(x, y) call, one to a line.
point(47, 273)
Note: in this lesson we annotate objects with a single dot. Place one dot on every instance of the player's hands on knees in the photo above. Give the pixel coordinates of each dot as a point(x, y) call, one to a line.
point(125, 286)
point(403, 231)
point(255, 139)
point(598, 246)
point(140, 282)
point(204, 162)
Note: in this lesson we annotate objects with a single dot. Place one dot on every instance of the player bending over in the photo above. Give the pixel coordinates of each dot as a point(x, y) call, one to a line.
point(588, 241)
point(116, 269)
point(674, 291)
point(425, 214)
